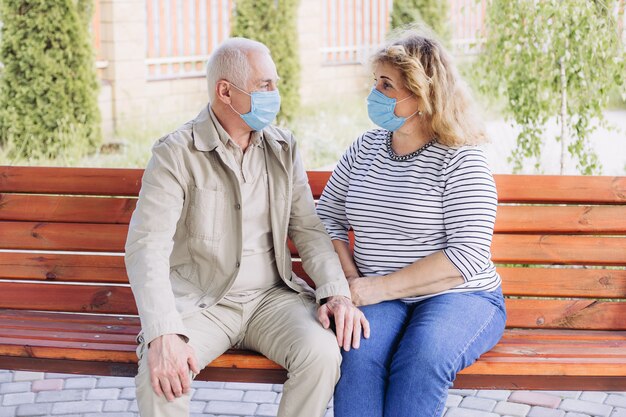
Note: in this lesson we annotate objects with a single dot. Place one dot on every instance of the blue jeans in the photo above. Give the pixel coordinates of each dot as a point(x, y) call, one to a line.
point(414, 353)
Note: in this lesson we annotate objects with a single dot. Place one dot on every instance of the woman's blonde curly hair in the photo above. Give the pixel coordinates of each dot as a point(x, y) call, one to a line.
point(428, 71)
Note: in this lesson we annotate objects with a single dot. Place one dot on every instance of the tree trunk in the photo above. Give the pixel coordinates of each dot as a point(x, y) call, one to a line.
point(564, 132)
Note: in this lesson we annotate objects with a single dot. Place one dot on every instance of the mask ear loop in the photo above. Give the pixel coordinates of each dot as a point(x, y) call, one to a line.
point(243, 91)
point(418, 112)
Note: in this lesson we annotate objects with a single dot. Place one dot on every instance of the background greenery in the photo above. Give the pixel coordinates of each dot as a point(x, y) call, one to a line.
point(325, 128)
point(433, 13)
point(553, 58)
point(273, 22)
point(48, 86)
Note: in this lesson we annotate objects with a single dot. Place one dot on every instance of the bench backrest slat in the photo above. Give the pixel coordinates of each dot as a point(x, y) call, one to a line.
point(79, 181)
point(62, 234)
point(47, 208)
point(62, 267)
point(76, 298)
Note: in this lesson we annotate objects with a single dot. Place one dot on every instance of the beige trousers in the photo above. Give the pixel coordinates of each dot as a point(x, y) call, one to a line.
point(279, 323)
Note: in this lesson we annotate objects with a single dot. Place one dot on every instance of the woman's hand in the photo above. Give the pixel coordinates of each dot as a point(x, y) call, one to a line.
point(366, 290)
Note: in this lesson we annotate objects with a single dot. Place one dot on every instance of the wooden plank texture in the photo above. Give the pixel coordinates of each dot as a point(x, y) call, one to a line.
point(79, 181)
point(63, 267)
point(537, 188)
point(63, 236)
point(45, 208)
point(570, 189)
point(464, 380)
point(66, 297)
point(112, 181)
point(563, 282)
point(559, 250)
point(566, 314)
point(551, 249)
point(598, 220)
point(539, 282)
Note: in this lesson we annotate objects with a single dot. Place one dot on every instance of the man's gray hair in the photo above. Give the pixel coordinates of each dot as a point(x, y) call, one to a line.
point(230, 62)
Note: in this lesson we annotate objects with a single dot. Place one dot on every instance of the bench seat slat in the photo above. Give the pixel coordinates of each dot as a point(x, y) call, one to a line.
point(79, 181)
point(80, 335)
point(62, 267)
point(540, 358)
point(46, 208)
point(76, 298)
point(68, 326)
point(46, 318)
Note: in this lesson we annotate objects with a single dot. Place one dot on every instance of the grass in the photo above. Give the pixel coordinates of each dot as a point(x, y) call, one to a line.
point(323, 132)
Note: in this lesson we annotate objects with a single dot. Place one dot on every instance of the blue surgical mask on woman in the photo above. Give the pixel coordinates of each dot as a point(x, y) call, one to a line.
point(264, 106)
point(381, 110)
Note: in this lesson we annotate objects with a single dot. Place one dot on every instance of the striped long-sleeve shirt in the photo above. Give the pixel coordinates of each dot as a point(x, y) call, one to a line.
point(444, 199)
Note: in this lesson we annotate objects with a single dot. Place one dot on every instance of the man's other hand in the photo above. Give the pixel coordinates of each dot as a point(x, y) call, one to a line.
point(170, 360)
point(349, 321)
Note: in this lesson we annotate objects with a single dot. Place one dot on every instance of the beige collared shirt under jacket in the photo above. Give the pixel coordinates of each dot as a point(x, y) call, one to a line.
point(258, 270)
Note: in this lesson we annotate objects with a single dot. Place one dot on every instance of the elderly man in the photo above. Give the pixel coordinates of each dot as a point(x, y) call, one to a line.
point(207, 253)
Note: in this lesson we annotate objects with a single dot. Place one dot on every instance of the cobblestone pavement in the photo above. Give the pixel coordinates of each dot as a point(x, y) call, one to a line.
point(38, 394)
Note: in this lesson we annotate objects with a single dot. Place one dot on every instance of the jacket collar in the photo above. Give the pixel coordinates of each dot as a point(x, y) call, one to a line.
point(206, 137)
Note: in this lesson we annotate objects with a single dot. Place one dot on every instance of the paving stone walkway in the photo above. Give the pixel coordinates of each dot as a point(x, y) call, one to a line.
point(45, 394)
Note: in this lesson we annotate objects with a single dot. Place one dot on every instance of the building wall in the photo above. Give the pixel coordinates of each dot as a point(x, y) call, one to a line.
point(129, 99)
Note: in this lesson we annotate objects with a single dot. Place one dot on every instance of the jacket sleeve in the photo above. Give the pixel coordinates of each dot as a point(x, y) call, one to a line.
point(307, 232)
point(150, 242)
point(470, 202)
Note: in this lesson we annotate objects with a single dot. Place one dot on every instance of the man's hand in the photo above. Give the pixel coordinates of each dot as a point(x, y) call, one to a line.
point(170, 360)
point(349, 321)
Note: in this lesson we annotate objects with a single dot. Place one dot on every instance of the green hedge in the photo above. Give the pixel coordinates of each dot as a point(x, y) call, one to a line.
point(273, 22)
point(435, 13)
point(48, 86)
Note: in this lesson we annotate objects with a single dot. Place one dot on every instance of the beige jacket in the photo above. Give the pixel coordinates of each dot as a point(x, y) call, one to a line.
point(185, 237)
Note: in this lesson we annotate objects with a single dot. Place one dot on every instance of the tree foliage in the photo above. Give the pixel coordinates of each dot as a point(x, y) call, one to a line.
point(273, 22)
point(553, 58)
point(434, 13)
point(48, 86)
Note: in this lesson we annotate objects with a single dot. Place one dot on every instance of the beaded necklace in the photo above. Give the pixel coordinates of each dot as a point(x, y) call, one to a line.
point(395, 157)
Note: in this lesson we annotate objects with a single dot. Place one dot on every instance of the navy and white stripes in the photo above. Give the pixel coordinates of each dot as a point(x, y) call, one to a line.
point(401, 211)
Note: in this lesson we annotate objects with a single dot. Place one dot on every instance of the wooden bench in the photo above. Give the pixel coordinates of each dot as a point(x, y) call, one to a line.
point(65, 305)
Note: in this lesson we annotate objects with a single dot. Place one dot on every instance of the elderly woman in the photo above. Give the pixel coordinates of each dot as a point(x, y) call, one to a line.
point(421, 201)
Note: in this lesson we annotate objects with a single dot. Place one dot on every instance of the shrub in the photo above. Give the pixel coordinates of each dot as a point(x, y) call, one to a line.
point(273, 22)
point(48, 86)
point(432, 12)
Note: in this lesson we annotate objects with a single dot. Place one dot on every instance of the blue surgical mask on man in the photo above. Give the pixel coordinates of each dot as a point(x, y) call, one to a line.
point(264, 106)
point(381, 110)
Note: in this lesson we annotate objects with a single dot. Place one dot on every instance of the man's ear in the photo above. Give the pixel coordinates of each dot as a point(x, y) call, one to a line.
point(222, 91)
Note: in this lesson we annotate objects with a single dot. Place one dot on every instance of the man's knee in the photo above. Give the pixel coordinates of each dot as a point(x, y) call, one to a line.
point(314, 353)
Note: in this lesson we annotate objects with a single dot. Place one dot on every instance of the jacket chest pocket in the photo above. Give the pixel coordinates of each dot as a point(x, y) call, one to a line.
point(206, 212)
